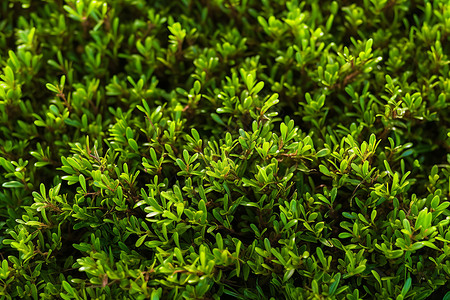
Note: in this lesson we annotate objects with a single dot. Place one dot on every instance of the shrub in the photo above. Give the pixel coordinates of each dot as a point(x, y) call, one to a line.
point(208, 149)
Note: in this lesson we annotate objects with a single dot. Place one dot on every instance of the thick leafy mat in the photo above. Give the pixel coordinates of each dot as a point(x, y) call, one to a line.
point(224, 149)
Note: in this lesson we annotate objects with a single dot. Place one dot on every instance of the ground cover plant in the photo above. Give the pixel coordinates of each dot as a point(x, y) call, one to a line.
point(224, 149)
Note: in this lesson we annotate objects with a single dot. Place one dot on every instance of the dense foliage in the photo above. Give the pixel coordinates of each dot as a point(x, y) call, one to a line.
point(224, 148)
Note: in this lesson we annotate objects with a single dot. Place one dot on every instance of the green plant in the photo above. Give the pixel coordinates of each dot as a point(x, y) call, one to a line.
point(208, 149)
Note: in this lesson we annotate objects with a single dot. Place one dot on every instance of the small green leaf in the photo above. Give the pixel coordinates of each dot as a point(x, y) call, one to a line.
point(133, 145)
point(323, 152)
point(333, 287)
point(216, 118)
point(273, 100)
point(82, 182)
point(13, 184)
point(140, 241)
point(52, 88)
point(447, 296)
point(324, 170)
point(359, 270)
point(406, 286)
point(69, 289)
